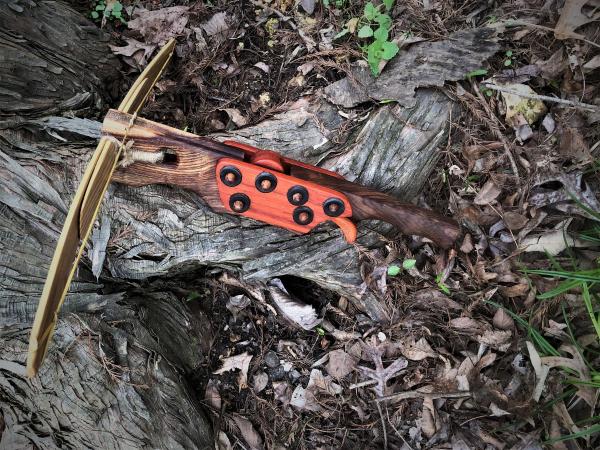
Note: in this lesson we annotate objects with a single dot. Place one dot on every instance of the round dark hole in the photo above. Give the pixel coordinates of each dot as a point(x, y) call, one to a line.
point(239, 203)
point(230, 176)
point(303, 215)
point(333, 207)
point(297, 195)
point(265, 182)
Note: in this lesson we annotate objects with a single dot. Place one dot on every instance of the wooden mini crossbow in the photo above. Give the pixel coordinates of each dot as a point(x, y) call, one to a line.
point(231, 177)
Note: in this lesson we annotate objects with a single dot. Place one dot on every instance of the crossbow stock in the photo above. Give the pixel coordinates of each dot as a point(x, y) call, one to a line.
point(231, 177)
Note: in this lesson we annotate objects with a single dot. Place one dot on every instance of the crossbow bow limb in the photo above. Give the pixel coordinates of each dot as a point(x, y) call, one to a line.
point(232, 177)
point(82, 214)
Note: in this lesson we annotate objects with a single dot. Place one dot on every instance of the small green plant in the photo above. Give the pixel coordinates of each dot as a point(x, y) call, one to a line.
point(441, 285)
point(509, 58)
point(395, 270)
point(476, 73)
point(374, 26)
point(108, 10)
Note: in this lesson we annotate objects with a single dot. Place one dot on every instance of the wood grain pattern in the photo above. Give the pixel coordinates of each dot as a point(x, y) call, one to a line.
point(370, 204)
point(195, 164)
point(194, 157)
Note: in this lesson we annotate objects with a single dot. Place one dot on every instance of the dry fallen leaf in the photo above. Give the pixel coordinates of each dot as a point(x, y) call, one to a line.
point(136, 53)
point(497, 339)
point(571, 18)
point(306, 398)
point(259, 382)
point(552, 242)
point(241, 362)
point(416, 351)
point(299, 313)
point(465, 323)
point(223, 442)
point(502, 320)
point(248, 432)
point(216, 25)
point(212, 395)
point(236, 116)
point(514, 221)
point(488, 193)
point(158, 26)
point(528, 108)
point(429, 418)
point(340, 364)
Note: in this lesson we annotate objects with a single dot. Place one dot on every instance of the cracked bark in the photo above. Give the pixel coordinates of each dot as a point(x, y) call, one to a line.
point(115, 374)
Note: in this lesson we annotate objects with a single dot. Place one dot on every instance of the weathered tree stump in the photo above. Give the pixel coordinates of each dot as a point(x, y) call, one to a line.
point(113, 377)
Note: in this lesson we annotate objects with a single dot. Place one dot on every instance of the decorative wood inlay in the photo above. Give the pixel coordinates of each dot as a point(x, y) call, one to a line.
point(274, 207)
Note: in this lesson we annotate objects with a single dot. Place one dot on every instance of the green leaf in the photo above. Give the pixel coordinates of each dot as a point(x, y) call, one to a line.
point(374, 52)
point(393, 271)
point(320, 331)
point(365, 31)
point(370, 11)
point(388, 4)
point(390, 49)
point(94, 15)
point(341, 34)
point(117, 7)
point(507, 62)
point(445, 289)
point(509, 53)
point(100, 7)
point(384, 20)
point(476, 73)
point(381, 34)
point(117, 14)
point(409, 263)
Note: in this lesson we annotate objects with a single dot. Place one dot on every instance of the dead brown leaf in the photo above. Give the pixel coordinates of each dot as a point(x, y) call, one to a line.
point(432, 298)
point(416, 351)
point(158, 26)
point(340, 364)
point(136, 53)
point(488, 193)
point(571, 18)
point(502, 320)
point(238, 362)
point(212, 395)
point(248, 432)
point(514, 221)
point(465, 324)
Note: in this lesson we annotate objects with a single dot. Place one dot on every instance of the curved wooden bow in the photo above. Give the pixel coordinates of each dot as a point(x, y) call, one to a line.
point(82, 215)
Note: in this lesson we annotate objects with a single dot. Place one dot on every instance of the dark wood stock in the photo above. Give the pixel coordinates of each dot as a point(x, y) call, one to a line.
point(370, 204)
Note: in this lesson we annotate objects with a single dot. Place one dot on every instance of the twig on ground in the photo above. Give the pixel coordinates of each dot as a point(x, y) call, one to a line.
point(385, 440)
point(574, 104)
point(517, 23)
point(362, 384)
point(420, 394)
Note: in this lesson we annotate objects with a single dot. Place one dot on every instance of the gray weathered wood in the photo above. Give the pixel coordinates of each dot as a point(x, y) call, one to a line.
point(113, 380)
